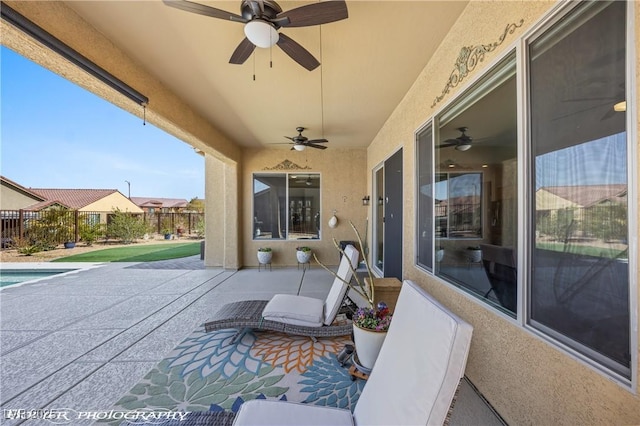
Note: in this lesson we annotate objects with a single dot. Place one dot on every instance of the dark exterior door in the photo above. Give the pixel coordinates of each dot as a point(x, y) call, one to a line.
point(393, 202)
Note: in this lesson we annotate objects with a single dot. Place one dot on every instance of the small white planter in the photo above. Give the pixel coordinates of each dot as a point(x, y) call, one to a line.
point(303, 256)
point(264, 257)
point(439, 255)
point(475, 256)
point(368, 344)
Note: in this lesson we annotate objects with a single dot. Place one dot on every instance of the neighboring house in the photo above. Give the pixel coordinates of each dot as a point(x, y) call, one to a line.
point(579, 196)
point(160, 205)
point(96, 203)
point(16, 197)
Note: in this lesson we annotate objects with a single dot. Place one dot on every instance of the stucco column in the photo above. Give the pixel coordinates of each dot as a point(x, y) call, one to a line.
point(222, 183)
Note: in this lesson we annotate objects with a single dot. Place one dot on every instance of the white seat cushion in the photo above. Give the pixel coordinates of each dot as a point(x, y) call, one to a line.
point(419, 366)
point(339, 288)
point(295, 310)
point(261, 412)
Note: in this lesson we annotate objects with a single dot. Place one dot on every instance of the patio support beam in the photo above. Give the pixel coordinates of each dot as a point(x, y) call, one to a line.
point(222, 241)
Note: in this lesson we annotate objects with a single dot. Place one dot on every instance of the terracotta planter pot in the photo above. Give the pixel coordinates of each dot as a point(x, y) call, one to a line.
point(368, 344)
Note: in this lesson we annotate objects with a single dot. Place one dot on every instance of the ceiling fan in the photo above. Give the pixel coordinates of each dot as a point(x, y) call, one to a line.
point(301, 142)
point(461, 143)
point(263, 19)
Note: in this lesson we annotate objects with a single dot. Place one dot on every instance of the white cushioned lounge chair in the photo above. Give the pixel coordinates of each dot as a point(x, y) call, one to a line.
point(293, 314)
point(413, 382)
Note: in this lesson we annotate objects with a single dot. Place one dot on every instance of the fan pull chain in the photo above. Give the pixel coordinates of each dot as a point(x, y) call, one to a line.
point(254, 65)
point(321, 85)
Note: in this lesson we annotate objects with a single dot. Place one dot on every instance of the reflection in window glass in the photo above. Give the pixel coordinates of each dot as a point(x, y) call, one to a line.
point(580, 273)
point(286, 206)
point(475, 190)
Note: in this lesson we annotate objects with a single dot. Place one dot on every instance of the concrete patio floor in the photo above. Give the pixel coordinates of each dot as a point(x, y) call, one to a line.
point(82, 340)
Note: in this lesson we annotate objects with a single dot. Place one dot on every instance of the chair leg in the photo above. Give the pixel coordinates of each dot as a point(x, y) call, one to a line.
point(240, 335)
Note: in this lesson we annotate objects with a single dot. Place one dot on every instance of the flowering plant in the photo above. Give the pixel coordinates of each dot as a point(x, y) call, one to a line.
point(373, 319)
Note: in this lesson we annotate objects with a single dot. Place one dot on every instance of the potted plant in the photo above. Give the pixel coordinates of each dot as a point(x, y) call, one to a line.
point(264, 255)
point(370, 323)
point(370, 328)
point(167, 233)
point(303, 254)
point(475, 254)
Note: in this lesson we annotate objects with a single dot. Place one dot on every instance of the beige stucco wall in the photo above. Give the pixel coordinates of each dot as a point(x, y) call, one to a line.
point(527, 380)
point(343, 184)
point(110, 202)
point(10, 199)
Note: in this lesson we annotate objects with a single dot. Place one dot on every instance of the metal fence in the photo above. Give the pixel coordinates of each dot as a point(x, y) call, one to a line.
point(58, 226)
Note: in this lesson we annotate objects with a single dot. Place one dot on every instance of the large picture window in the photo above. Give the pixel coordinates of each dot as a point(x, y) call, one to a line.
point(470, 224)
point(579, 249)
point(286, 206)
point(571, 223)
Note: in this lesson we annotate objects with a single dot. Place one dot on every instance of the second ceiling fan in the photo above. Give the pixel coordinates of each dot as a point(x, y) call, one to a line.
point(263, 19)
point(301, 142)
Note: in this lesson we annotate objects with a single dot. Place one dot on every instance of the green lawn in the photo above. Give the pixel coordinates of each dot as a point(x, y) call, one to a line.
point(582, 249)
point(136, 253)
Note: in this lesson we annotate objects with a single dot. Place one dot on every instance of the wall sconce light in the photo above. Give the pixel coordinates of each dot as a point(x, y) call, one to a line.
point(365, 200)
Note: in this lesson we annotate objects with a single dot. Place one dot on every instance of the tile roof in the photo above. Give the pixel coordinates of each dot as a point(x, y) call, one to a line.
point(73, 198)
point(159, 202)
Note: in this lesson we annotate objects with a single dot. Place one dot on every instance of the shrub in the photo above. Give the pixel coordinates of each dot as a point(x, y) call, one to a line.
point(26, 246)
point(126, 227)
point(199, 229)
point(90, 232)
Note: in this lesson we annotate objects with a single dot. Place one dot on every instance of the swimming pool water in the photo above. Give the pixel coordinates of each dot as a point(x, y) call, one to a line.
point(14, 277)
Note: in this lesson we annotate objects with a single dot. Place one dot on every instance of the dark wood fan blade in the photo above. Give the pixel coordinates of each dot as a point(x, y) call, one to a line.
point(242, 52)
point(297, 52)
point(314, 14)
point(318, 141)
point(201, 9)
point(290, 138)
point(312, 145)
point(447, 144)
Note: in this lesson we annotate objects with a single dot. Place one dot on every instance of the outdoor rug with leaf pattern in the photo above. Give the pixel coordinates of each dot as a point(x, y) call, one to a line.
point(208, 371)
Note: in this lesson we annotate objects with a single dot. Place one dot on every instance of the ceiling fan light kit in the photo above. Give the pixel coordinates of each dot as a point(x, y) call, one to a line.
point(298, 147)
point(261, 33)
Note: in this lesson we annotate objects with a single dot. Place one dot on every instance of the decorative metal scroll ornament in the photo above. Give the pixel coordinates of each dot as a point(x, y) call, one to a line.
point(287, 165)
point(469, 57)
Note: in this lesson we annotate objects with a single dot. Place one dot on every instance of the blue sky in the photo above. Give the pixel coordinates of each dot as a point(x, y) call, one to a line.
point(55, 134)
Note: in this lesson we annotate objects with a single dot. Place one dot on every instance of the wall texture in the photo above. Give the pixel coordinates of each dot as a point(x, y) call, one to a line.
point(527, 380)
point(342, 188)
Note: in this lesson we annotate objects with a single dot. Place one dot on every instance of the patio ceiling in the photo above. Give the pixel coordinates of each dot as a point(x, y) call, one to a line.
point(369, 62)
